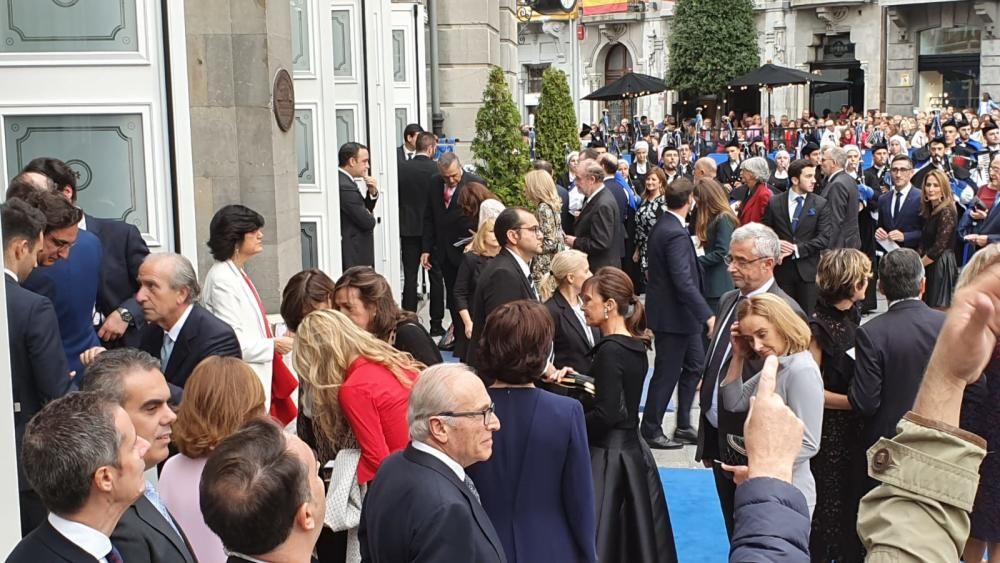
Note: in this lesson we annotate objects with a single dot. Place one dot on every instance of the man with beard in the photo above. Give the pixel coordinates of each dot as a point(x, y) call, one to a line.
point(671, 158)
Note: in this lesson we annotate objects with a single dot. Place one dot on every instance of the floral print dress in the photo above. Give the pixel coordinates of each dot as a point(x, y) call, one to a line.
point(649, 211)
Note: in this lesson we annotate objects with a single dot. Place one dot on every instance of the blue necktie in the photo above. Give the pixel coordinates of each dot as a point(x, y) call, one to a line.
point(798, 212)
point(165, 351)
point(113, 556)
point(154, 499)
point(896, 204)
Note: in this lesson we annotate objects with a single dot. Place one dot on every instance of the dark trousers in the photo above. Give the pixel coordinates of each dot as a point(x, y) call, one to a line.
point(679, 362)
point(411, 271)
point(436, 296)
point(33, 512)
point(449, 271)
point(726, 488)
point(803, 292)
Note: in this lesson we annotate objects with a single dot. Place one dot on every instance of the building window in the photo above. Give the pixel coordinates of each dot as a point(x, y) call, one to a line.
point(948, 67)
point(304, 146)
point(342, 55)
point(398, 55)
point(300, 35)
point(533, 80)
point(950, 41)
point(33, 26)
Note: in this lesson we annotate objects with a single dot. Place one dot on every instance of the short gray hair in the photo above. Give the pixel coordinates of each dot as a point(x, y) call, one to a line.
point(106, 375)
point(707, 164)
point(765, 241)
point(182, 274)
point(900, 273)
point(757, 167)
point(433, 394)
point(592, 169)
point(836, 154)
point(447, 159)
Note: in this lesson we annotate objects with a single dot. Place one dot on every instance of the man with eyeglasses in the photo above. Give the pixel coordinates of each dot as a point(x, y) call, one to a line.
point(422, 506)
point(988, 231)
point(899, 218)
point(507, 277)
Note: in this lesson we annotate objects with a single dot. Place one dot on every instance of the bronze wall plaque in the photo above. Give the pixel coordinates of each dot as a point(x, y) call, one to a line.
point(283, 100)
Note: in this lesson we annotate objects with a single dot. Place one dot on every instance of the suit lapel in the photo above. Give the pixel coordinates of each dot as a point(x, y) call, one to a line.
point(570, 316)
point(181, 349)
point(151, 516)
point(805, 217)
point(61, 545)
point(782, 210)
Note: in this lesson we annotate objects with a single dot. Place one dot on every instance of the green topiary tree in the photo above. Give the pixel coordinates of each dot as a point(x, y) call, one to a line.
point(499, 149)
point(555, 122)
point(711, 43)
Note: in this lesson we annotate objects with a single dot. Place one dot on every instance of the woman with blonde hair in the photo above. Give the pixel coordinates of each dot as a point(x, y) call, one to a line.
point(540, 191)
point(560, 289)
point(482, 249)
point(358, 388)
point(714, 227)
point(767, 326)
point(221, 395)
point(937, 239)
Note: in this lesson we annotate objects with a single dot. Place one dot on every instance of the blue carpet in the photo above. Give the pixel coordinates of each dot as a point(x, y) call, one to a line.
point(699, 530)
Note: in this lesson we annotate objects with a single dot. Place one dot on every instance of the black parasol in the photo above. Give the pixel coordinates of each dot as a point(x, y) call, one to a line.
point(632, 85)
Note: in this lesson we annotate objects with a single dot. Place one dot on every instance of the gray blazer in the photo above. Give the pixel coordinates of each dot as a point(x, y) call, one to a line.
point(143, 534)
point(800, 385)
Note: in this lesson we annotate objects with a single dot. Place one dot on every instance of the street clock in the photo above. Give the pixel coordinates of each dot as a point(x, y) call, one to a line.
point(551, 7)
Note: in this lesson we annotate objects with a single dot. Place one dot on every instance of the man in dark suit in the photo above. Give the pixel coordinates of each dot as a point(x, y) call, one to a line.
point(274, 472)
point(599, 230)
point(415, 176)
point(37, 365)
point(728, 173)
point(802, 222)
point(841, 193)
point(877, 174)
point(132, 379)
point(421, 499)
point(444, 225)
point(754, 251)
point(507, 277)
point(899, 217)
point(627, 213)
point(408, 150)
point(66, 451)
point(179, 332)
point(357, 224)
point(678, 316)
point(123, 251)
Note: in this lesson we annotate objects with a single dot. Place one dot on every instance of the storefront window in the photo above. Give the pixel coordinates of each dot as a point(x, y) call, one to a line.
point(950, 41)
point(949, 67)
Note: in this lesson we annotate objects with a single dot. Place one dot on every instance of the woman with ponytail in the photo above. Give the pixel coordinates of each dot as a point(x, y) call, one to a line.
point(632, 520)
point(560, 288)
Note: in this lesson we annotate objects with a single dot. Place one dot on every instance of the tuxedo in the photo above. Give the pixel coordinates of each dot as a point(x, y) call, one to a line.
point(357, 224)
point(123, 252)
point(202, 335)
point(600, 232)
point(796, 274)
point(143, 534)
point(46, 545)
point(841, 193)
point(907, 220)
point(501, 281)
point(414, 187)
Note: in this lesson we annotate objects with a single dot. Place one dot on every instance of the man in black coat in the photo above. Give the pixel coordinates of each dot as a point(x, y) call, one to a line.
point(179, 332)
point(728, 173)
point(408, 150)
point(357, 223)
point(414, 188)
point(678, 316)
point(37, 365)
point(444, 225)
point(841, 193)
point(422, 502)
point(507, 277)
point(64, 452)
point(600, 233)
point(802, 222)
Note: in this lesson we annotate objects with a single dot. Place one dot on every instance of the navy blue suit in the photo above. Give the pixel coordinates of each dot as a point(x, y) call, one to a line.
point(676, 312)
point(908, 220)
point(48, 545)
point(123, 253)
point(537, 487)
point(991, 225)
point(71, 284)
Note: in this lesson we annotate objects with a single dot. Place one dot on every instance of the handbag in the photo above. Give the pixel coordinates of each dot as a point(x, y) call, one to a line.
point(344, 495)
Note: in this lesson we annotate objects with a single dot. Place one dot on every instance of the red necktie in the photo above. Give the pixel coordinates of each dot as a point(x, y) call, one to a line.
point(283, 382)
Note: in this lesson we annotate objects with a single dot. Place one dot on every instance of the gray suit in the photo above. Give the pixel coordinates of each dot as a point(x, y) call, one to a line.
point(841, 193)
point(144, 535)
point(357, 225)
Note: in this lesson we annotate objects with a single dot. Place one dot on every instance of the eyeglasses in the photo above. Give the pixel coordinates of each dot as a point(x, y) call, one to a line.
point(486, 413)
point(900, 170)
point(537, 229)
point(60, 243)
point(729, 259)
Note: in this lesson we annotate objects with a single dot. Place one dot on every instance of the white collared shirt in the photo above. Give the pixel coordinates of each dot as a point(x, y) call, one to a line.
point(175, 330)
point(902, 199)
point(792, 196)
point(712, 415)
point(593, 195)
point(86, 538)
point(443, 457)
point(520, 262)
point(83, 222)
point(891, 303)
point(12, 274)
point(683, 220)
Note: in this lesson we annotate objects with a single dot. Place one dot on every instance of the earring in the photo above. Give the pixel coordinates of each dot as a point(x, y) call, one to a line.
point(606, 311)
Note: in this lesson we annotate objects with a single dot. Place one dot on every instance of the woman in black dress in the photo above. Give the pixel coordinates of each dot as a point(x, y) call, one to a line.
point(937, 239)
point(632, 520)
point(481, 250)
point(839, 466)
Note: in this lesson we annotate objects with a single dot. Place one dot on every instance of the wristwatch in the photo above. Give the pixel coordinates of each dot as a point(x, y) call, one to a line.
point(125, 314)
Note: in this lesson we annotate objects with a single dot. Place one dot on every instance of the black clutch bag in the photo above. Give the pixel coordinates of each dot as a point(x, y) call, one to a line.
point(580, 387)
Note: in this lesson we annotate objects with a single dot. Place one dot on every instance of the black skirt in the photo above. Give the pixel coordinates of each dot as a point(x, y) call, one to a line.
point(632, 520)
point(941, 278)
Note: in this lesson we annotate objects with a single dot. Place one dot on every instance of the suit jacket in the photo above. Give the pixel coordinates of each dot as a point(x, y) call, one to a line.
point(891, 355)
point(501, 281)
point(725, 173)
point(908, 221)
point(626, 212)
point(708, 435)
point(202, 335)
point(716, 280)
point(414, 187)
point(45, 544)
point(991, 225)
point(71, 284)
point(444, 227)
point(841, 193)
point(227, 296)
point(418, 511)
point(600, 232)
point(357, 224)
point(565, 217)
point(570, 344)
point(123, 252)
point(811, 238)
point(144, 535)
point(674, 289)
point(37, 365)
point(875, 178)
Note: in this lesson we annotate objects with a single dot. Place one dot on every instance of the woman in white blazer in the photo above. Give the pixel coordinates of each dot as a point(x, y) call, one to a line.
point(235, 236)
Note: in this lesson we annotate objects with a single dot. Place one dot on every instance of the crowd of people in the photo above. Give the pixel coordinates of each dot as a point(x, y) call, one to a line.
point(348, 435)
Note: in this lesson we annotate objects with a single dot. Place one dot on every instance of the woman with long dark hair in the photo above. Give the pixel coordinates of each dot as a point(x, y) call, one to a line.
point(714, 227)
point(937, 239)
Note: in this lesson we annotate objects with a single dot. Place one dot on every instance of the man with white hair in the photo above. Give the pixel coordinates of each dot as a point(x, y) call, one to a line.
point(422, 506)
point(841, 193)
